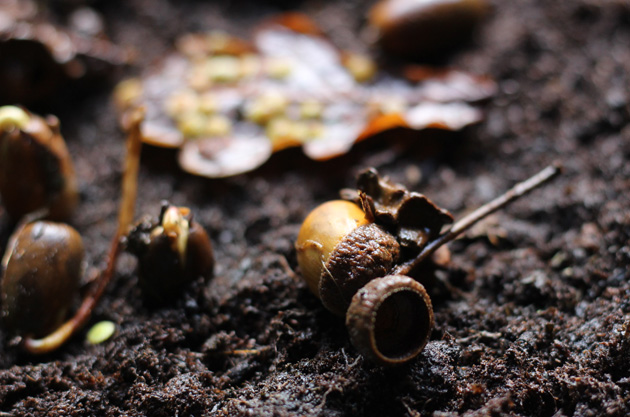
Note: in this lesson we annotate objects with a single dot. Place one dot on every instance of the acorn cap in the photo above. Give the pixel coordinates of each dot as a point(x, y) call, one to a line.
point(366, 253)
point(390, 319)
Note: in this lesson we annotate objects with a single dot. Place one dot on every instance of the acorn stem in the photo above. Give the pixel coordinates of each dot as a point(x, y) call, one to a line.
point(468, 221)
point(129, 188)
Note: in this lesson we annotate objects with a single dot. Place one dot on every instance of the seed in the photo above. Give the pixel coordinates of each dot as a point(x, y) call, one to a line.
point(278, 68)
point(127, 93)
point(223, 69)
point(198, 78)
point(208, 103)
point(100, 332)
point(217, 125)
point(192, 124)
point(361, 67)
point(284, 132)
point(181, 102)
point(12, 117)
point(265, 107)
point(311, 109)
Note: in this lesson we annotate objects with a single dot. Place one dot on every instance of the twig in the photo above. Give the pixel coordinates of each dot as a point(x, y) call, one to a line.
point(468, 221)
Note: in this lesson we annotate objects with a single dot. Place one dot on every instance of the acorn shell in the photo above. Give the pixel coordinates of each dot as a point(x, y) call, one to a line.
point(41, 277)
point(339, 251)
point(390, 319)
point(36, 170)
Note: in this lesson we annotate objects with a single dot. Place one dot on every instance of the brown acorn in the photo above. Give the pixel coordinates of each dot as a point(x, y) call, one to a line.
point(339, 251)
point(423, 29)
point(42, 270)
point(43, 261)
point(36, 171)
point(172, 252)
point(343, 251)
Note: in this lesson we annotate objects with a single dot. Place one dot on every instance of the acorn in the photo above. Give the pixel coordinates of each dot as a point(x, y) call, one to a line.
point(36, 170)
point(339, 251)
point(43, 261)
point(172, 251)
point(417, 29)
point(42, 270)
point(356, 255)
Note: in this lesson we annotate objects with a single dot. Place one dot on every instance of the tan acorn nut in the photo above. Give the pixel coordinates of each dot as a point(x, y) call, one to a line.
point(36, 171)
point(42, 270)
point(172, 252)
point(390, 319)
point(339, 251)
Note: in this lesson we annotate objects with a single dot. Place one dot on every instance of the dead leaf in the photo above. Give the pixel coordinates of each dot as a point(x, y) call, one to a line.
point(229, 104)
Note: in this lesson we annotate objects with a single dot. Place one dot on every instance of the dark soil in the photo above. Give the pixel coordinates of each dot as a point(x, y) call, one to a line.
point(532, 313)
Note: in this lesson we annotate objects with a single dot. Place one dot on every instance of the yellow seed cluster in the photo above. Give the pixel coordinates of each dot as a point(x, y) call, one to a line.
point(220, 69)
point(197, 112)
point(249, 65)
point(197, 115)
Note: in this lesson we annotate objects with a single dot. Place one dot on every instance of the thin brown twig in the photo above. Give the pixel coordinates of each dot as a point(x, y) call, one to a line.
point(468, 221)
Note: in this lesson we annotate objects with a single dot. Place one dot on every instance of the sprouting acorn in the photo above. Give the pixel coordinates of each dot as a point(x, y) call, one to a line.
point(42, 270)
point(172, 251)
point(36, 171)
point(42, 265)
point(356, 255)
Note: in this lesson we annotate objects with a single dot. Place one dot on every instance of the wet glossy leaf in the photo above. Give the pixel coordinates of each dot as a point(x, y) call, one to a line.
point(229, 105)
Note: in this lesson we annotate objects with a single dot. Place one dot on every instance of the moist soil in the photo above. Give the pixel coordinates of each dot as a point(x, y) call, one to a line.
point(531, 315)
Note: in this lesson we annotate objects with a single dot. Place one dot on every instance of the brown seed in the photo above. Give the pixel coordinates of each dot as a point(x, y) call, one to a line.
point(41, 278)
point(35, 168)
point(171, 253)
point(339, 251)
point(390, 319)
point(421, 29)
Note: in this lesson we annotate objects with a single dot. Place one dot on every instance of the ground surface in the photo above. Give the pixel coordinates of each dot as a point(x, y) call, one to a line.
point(532, 314)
